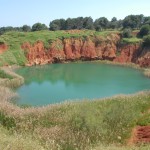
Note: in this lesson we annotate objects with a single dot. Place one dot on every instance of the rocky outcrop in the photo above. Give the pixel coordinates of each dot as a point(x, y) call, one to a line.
point(127, 53)
point(72, 49)
point(144, 58)
point(3, 48)
point(140, 134)
point(88, 48)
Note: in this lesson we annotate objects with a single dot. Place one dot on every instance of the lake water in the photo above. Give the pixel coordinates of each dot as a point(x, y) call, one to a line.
point(56, 83)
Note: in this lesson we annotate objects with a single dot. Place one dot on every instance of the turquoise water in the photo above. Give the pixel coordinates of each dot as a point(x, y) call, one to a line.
point(56, 83)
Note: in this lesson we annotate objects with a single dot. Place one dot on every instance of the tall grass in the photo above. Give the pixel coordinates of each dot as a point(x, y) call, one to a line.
point(10, 79)
point(132, 40)
point(15, 141)
point(80, 125)
point(147, 72)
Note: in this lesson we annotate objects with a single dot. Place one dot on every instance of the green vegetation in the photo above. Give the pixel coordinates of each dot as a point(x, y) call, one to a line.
point(5, 75)
point(145, 30)
point(26, 28)
point(81, 23)
point(78, 125)
point(127, 33)
point(132, 40)
point(16, 141)
point(133, 21)
point(15, 55)
point(146, 40)
point(99, 124)
point(38, 27)
point(10, 79)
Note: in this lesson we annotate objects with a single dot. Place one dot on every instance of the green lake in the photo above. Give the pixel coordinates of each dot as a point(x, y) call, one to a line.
point(57, 83)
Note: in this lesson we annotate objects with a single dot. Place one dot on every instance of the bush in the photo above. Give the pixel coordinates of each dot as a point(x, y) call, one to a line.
point(145, 30)
point(4, 75)
point(146, 40)
point(127, 33)
point(6, 121)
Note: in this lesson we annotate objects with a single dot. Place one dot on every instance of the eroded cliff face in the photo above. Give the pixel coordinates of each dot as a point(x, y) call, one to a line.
point(94, 48)
point(72, 49)
point(127, 53)
point(3, 48)
point(144, 58)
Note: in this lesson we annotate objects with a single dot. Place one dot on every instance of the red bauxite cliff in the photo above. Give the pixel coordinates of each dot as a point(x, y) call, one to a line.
point(72, 49)
point(89, 48)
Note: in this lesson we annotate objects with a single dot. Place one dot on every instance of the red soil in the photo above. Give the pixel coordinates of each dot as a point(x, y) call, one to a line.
point(3, 48)
point(140, 134)
point(89, 49)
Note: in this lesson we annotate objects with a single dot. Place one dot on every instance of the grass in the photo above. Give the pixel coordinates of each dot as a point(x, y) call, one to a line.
point(147, 72)
point(132, 40)
point(15, 55)
point(78, 125)
point(98, 124)
point(5, 75)
point(14, 40)
point(10, 79)
point(15, 141)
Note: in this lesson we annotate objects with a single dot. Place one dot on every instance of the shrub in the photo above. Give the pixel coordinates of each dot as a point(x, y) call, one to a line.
point(127, 33)
point(6, 121)
point(145, 30)
point(146, 40)
point(4, 75)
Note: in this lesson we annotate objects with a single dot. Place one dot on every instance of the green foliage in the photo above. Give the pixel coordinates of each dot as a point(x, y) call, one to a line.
point(146, 40)
point(9, 28)
point(146, 20)
point(38, 27)
point(145, 30)
point(72, 23)
point(101, 23)
point(132, 40)
point(4, 75)
point(6, 121)
point(58, 24)
point(144, 120)
point(127, 33)
point(88, 23)
point(26, 28)
point(133, 21)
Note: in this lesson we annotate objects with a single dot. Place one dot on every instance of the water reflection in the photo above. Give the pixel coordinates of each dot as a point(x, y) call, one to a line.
point(58, 82)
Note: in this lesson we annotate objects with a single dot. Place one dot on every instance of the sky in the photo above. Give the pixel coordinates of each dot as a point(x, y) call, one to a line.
point(20, 12)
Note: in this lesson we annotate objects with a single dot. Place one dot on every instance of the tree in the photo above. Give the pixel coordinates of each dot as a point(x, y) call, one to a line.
point(113, 23)
point(38, 27)
point(146, 40)
point(88, 23)
point(146, 20)
point(133, 21)
point(26, 28)
point(69, 24)
point(58, 24)
point(6, 29)
point(114, 19)
point(101, 23)
point(145, 30)
point(78, 23)
point(127, 33)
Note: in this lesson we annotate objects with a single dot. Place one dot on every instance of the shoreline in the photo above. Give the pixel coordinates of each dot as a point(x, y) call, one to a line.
point(19, 80)
point(64, 119)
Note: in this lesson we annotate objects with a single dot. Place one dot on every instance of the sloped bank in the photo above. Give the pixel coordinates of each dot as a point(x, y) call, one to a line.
point(51, 47)
point(97, 48)
point(70, 125)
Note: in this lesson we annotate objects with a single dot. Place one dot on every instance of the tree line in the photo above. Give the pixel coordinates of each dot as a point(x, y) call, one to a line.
point(100, 24)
